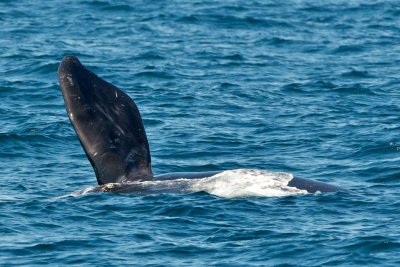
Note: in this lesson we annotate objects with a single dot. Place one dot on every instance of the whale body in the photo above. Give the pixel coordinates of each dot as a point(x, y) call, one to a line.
point(110, 129)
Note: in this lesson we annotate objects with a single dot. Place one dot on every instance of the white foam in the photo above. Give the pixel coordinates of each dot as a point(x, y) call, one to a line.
point(247, 182)
point(79, 192)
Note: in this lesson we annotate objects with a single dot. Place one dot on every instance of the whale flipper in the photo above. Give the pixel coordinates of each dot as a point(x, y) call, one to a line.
point(108, 124)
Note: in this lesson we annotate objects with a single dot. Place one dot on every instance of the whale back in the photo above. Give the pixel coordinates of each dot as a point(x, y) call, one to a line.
point(107, 123)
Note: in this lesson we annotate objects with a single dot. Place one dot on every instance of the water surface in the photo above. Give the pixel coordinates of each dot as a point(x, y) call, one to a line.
point(297, 87)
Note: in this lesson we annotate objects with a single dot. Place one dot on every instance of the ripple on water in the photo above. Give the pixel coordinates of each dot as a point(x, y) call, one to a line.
point(308, 88)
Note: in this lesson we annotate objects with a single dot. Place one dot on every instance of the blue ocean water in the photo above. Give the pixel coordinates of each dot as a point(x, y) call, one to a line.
point(296, 86)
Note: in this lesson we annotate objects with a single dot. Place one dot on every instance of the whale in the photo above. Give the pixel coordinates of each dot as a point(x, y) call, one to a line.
point(110, 129)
